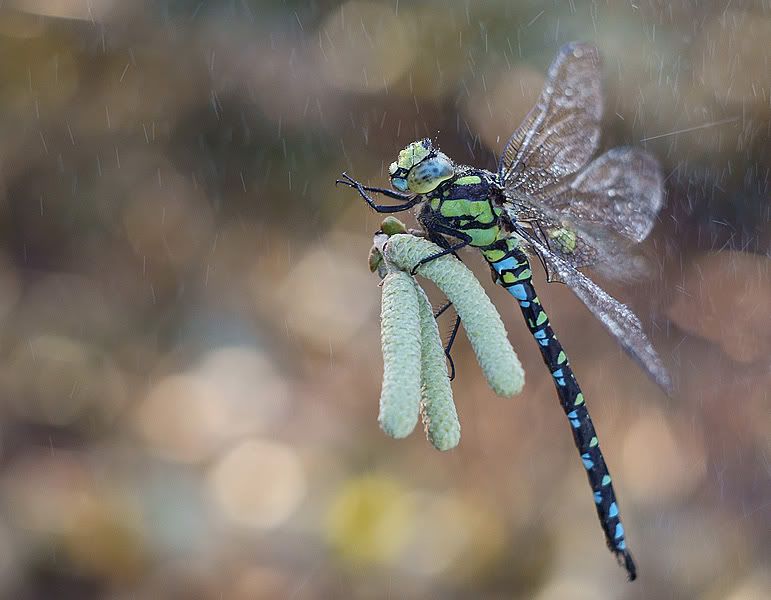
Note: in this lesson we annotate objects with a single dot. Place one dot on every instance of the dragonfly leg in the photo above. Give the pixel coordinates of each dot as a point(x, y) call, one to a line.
point(438, 233)
point(351, 182)
point(442, 310)
point(449, 250)
point(513, 270)
point(409, 200)
point(451, 341)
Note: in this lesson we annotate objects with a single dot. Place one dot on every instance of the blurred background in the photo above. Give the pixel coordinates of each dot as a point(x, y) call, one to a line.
point(190, 335)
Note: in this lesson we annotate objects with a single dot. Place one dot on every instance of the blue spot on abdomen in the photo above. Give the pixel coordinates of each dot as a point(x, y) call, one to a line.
point(518, 291)
point(588, 462)
point(506, 264)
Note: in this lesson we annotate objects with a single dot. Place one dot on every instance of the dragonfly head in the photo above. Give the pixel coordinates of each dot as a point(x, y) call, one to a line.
point(420, 168)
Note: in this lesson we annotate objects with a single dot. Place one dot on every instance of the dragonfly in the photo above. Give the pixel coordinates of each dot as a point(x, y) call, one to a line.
point(550, 199)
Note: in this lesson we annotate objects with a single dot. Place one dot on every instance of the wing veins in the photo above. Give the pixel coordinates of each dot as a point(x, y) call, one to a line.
point(617, 318)
point(574, 78)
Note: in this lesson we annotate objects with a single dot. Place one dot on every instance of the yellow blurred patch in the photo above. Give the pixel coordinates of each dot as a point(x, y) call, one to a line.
point(369, 520)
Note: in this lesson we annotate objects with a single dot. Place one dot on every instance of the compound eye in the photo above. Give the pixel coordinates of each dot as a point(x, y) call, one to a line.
point(393, 168)
point(427, 175)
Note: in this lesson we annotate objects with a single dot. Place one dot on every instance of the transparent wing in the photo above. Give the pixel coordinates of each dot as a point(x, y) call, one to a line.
point(579, 246)
point(562, 131)
point(621, 191)
point(574, 218)
point(593, 219)
point(617, 318)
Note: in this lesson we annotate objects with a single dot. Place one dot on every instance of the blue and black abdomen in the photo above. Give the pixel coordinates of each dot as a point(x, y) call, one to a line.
point(512, 270)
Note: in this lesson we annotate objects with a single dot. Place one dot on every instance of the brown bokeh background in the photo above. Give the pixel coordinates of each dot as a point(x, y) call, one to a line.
point(189, 332)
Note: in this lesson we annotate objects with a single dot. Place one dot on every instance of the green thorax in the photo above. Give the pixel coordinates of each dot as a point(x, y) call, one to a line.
point(465, 206)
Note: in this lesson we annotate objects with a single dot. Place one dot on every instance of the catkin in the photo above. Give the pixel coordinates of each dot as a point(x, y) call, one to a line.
point(400, 337)
point(437, 408)
point(481, 321)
